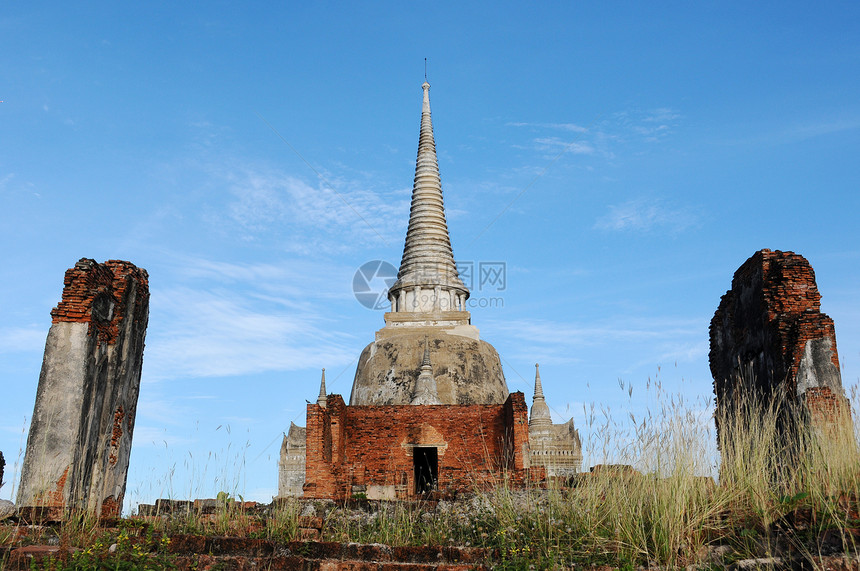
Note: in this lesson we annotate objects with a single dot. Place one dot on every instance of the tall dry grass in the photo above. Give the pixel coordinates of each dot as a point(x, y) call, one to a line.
point(785, 486)
point(776, 487)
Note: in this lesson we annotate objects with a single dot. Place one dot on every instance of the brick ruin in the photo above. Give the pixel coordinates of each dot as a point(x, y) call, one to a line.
point(769, 335)
point(80, 434)
point(408, 451)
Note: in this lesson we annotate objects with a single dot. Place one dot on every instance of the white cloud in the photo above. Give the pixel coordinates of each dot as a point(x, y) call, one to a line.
point(554, 143)
point(641, 215)
point(650, 125)
point(289, 283)
point(213, 333)
point(545, 341)
point(796, 131)
point(22, 339)
point(334, 215)
point(608, 133)
point(560, 126)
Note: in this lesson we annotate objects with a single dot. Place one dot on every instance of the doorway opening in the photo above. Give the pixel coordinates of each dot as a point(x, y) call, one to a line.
point(426, 463)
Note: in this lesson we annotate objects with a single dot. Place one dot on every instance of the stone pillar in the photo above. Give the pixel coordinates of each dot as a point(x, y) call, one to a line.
point(81, 431)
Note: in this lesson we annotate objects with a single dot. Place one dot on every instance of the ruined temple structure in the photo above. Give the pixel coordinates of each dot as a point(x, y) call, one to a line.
point(80, 434)
point(769, 335)
point(430, 409)
point(555, 447)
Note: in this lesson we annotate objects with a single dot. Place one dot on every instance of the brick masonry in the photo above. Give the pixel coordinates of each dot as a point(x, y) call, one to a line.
point(369, 449)
point(769, 334)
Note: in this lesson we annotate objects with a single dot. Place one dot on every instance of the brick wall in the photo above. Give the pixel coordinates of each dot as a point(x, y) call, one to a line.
point(96, 294)
point(373, 445)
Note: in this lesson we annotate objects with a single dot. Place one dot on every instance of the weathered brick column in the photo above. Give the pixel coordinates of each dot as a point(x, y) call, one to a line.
point(80, 434)
point(517, 432)
point(769, 335)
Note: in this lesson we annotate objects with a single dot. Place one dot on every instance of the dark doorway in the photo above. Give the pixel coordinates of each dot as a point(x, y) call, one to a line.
point(426, 469)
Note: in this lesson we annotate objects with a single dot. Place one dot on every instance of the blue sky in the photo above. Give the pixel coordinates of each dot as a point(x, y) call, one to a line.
point(621, 160)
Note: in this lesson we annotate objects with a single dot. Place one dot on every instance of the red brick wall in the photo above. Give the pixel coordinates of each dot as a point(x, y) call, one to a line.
point(372, 445)
point(89, 281)
point(825, 406)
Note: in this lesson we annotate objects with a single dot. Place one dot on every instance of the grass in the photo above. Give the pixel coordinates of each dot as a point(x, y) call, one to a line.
point(790, 491)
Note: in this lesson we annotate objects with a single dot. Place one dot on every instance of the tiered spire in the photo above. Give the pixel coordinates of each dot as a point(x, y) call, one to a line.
point(425, 387)
point(540, 415)
point(322, 400)
point(428, 280)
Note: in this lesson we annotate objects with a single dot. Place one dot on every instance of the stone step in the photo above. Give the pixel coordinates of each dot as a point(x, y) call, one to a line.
point(200, 552)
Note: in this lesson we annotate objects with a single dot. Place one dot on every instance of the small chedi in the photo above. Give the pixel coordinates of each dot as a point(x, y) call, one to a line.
point(80, 434)
point(430, 408)
point(768, 335)
point(556, 447)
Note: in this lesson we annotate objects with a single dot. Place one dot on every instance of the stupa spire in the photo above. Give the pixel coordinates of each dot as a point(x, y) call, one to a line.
point(322, 400)
point(427, 280)
point(538, 385)
point(540, 415)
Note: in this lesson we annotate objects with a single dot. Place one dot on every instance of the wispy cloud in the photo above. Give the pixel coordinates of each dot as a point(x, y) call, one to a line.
point(645, 215)
point(556, 144)
point(671, 339)
point(332, 215)
point(224, 318)
point(293, 282)
point(211, 333)
point(648, 125)
point(560, 126)
point(20, 339)
point(266, 198)
point(607, 134)
point(792, 132)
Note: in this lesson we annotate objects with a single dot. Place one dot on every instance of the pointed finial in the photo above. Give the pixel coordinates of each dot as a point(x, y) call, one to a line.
point(538, 386)
point(540, 415)
point(322, 399)
point(425, 70)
